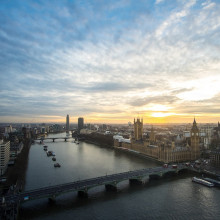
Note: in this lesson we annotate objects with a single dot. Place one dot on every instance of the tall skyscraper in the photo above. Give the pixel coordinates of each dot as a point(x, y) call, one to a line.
point(67, 123)
point(80, 124)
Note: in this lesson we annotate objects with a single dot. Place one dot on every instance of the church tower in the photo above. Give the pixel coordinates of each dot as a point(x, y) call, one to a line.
point(195, 151)
point(152, 136)
point(138, 129)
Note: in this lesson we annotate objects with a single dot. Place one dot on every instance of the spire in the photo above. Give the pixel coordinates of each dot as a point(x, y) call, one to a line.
point(194, 127)
point(194, 122)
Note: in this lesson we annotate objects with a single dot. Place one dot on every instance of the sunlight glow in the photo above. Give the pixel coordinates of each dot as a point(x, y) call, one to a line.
point(159, 108)
point(203, 89)
point(160, 114)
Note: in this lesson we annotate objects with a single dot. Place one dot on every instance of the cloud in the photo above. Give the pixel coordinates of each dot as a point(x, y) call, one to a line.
point(208, 4)
point(155, 99)
point(108, 56)
point(158, 1)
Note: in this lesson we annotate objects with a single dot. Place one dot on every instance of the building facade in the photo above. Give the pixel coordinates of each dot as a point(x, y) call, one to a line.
point(80, 124)
point(215, 158)
point(164, 150)
point(67, 123)
point(138, 129)
point(4, 156)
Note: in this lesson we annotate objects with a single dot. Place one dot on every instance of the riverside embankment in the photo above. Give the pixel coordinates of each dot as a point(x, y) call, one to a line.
point(16, 174)
point(98, 139)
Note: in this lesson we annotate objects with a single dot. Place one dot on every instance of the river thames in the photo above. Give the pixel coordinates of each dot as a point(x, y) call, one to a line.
point(170, 198)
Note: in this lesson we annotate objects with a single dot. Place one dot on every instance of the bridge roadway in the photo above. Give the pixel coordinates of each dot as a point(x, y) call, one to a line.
point(84, 185)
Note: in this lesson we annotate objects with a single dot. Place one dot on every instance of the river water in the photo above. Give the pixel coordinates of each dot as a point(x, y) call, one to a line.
point(171, 198)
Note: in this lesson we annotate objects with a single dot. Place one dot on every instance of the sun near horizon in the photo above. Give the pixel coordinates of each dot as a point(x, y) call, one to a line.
point(119, 59)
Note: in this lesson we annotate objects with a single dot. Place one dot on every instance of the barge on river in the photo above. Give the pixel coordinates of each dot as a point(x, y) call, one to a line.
point(215, 182)
point(203, 182)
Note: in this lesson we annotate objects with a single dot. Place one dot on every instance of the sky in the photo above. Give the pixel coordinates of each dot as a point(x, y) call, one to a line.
point(110, 61)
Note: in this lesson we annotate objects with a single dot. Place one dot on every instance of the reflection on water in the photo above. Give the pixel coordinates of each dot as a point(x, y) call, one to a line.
point(171, 198)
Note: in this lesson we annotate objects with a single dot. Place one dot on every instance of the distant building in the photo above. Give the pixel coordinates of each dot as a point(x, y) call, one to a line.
point(104, 127)
point(195, 140)
point(152, 136)
point(80, 124)
point(15, 149)
point(4, 156)
point(164, 150)
point(43, 130)
point(67, 123)
point(217, 131)
point(86, 131)
point(8, 129)
point(138, 129)
point(215, 158)
point(55, 128)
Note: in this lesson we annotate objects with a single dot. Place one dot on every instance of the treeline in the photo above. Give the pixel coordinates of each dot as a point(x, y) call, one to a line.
point(99, 139)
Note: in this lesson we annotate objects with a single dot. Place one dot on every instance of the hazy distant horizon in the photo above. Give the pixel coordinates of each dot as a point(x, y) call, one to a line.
point(99, 123)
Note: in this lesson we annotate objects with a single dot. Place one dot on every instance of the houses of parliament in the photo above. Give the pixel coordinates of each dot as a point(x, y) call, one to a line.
point(163, 150)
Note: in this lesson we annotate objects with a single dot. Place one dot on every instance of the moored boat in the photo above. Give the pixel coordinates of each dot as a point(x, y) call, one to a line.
point(49, 153)
point(215, 182)
point(57, 165)
point(54, 158)
point(203, 182)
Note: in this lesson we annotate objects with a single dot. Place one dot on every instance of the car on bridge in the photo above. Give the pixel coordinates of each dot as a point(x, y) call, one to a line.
point(26, 198)
point(165, 165)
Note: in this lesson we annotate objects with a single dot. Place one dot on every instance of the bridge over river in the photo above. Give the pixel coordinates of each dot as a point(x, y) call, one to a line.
point(54, 138)
point(11, 202)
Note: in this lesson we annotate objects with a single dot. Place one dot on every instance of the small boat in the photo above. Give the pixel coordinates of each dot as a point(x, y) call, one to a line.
point(215, 182)
point(45, 147)
point(203, 182)
point(57, 165)
point(54, 158)
point(53, 154)
point(49, 153)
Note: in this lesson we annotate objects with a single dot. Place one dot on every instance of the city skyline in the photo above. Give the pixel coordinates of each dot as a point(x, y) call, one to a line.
point(110, 62)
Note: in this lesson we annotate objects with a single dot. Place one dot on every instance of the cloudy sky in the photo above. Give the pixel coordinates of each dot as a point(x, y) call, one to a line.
point(110, 61)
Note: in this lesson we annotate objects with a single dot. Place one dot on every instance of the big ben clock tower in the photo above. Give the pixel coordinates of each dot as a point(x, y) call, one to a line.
point(195, 151)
